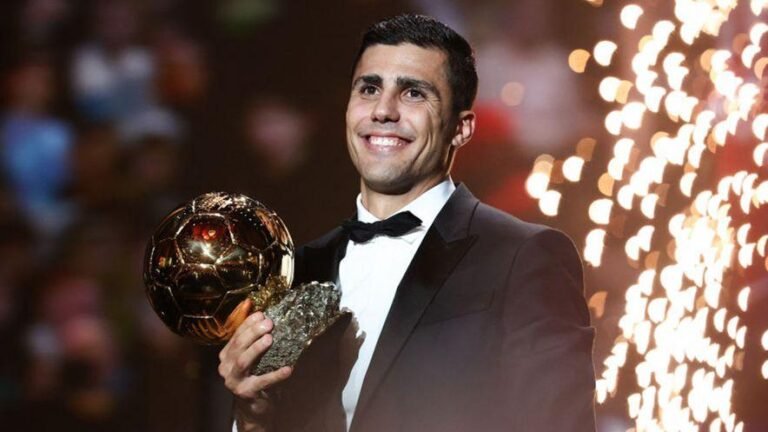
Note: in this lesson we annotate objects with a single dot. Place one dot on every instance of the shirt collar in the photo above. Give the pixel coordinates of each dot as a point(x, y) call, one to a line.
point(425, 207)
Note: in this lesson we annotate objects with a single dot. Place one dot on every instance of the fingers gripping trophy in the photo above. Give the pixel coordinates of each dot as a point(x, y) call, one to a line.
point(218, 258)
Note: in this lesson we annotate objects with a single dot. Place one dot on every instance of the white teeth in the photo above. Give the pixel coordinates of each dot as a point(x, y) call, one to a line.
point(384, 141)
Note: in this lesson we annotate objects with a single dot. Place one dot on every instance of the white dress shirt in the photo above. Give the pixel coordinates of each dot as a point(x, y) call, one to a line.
point(369, 275)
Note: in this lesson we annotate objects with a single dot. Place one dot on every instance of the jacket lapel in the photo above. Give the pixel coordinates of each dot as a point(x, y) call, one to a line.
point(444, 245)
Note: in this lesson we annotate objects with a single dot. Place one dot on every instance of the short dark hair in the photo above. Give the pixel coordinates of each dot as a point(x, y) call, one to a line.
point(427, 32)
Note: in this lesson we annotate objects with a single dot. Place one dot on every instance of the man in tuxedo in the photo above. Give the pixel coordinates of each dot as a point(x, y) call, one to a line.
point(468, 319)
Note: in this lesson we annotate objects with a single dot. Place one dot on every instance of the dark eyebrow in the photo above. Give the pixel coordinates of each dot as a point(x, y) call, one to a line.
point(372, 79)
point(402, 82)
point(407, 82)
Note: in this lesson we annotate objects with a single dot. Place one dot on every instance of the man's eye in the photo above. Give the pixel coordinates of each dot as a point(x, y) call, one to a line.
point(414, 94)
point(368, 90)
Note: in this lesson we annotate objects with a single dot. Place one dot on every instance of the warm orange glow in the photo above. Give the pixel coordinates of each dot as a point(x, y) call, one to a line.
point(674, 104)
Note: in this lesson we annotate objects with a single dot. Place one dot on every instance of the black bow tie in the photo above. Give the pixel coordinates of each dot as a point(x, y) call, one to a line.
point(395, 226)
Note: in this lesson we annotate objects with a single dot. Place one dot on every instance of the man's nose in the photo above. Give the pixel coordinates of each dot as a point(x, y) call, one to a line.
point(386, 109)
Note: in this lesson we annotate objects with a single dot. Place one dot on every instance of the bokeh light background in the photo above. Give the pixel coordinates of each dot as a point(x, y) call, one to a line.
point(639, 128)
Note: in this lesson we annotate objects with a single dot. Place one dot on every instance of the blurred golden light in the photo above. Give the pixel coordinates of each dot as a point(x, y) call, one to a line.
point(760, 67)
point(759, 125)
point(684, 374)
point(593, 251)
point(550, 202)
point(748, 55)
point(743, 298)
point(764, 341)
point(630, 14)
point(608, 88)
point(757, 32)
point(600, 211)
point(536, 184)
point(759, 154)
point(603, 52)
point(512, 93)
point(577, 60)
point(613, 122)
point(585, 147)
point(572, 168)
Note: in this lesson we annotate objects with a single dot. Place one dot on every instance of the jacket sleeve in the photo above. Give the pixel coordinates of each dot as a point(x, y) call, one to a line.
point(547, 342)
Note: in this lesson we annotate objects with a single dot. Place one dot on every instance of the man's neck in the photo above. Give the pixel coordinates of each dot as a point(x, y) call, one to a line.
point(384, 205)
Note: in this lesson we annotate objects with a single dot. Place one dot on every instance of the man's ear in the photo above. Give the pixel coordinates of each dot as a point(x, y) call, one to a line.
point(465, 128)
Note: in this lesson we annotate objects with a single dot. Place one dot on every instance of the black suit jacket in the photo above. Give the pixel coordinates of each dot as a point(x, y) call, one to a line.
point(488, 331)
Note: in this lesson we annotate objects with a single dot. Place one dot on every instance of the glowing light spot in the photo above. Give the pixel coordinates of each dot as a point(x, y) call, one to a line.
point(512, 93)
point(760, 153)
point(761, 245)
point(719, 60)
point(741, 336)
point(593, 251)
point(608, 88)
point(662, 30)
point(604, 51)
point(622, 149)
point(550, 202)
point(622, 92)
point(648, 205)
point(683, 376)
point(632, 249)
point(743, 298)
point(572, 168)
point(597, 303)
point(657, 309)
point(705, 59)
point(686, 183)
point(625, 197)
point(731, 327)
point(600, 211)
point(633, 401)
point(601, 390)
point(671, 278)
point(642, 336)
point(613, 122)
point(748, 55)
point(605, 184)
point(756, 33)
point(719, 320)
point(632, 114)
point(653, 98)
point(745, 255)
point(577, 60)
point(536, 184)
point(585, 147)
point(644, 81)
point(630, 14)
point(615, 169)
point(760, 67)
point(759, 124)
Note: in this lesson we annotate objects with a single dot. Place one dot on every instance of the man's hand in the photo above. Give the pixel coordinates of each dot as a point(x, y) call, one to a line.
point(246, 346)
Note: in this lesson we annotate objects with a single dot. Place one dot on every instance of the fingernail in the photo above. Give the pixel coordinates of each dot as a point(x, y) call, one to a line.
point(265, 325)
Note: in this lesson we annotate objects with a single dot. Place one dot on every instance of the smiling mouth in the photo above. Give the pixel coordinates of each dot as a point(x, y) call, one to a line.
point(386, 143)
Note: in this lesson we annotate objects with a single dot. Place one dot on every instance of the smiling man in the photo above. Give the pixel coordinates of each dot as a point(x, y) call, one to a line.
point(468, 319)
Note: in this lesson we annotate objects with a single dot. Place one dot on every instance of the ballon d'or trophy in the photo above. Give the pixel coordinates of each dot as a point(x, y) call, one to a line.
point(212, 256)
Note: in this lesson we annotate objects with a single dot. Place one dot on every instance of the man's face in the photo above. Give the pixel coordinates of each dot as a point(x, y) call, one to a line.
point(399, 123)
